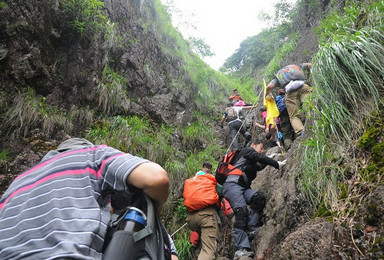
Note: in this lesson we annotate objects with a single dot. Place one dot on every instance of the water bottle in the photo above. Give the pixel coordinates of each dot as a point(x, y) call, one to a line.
point(135, 220)
point(123, 245)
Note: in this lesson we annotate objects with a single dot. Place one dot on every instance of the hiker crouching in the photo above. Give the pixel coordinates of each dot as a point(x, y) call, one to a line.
point(60, 208)
point(237, 191)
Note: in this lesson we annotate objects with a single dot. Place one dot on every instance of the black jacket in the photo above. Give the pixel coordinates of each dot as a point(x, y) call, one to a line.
point(250, 161)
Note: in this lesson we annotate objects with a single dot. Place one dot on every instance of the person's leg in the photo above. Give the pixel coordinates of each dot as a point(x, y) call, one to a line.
point(234, 194)
point(256, 200)
point(233, 129)
point(193, 221)
point(209, 233)
point(292, 100)
point(286, 127)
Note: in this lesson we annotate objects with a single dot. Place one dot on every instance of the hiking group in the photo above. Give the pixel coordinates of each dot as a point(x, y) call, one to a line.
point(86, 201)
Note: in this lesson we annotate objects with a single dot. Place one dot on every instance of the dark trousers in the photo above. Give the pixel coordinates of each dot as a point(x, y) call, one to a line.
point(234, 127)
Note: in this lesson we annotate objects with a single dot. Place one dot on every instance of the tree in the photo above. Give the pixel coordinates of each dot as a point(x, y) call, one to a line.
point(200, 47)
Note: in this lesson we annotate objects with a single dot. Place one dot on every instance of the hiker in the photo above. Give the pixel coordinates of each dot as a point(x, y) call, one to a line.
point(293, 79)
point(235, 96)
point(194, 237)
point(285, 124)
point(236, 100)
point(233, 116)
point(202, 201)
point(237, 191)
point(60, 208)
point(270, 130)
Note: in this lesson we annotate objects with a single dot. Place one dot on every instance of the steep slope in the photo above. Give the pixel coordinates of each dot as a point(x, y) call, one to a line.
point(44, 56)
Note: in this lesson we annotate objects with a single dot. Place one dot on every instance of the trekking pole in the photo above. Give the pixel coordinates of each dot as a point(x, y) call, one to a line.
point(179, 229)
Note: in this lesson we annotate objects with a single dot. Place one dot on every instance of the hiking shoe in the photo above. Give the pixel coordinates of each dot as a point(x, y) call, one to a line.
point(253, 233)
point(244, 252)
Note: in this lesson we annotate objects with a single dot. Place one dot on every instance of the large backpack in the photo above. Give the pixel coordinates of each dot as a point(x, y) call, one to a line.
point(225, 168)
point(232, 114)
point(280, 102)
point(200, 192)
point(151, 242)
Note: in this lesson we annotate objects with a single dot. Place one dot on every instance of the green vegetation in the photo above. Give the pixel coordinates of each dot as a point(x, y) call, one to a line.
point(29, 110)
point(268, 47)
point(182, 244)
point(112, 94)
point(138, 136)
point(347, 75)
point(213, 88)
point(85, 16)
point(3, 4)
point(4, 155)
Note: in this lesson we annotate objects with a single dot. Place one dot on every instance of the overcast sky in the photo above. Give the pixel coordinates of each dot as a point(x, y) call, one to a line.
point(222, 24)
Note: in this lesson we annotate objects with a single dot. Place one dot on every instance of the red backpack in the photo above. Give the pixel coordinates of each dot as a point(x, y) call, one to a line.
point(225, 168)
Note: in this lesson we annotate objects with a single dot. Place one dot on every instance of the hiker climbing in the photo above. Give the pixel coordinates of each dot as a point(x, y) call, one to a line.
point(271, 131)
point(60, 207)
point(202, 201)
point(293, 79)
point(236, 98)
point(285, 124)
point(234, 116)
point(237, 191)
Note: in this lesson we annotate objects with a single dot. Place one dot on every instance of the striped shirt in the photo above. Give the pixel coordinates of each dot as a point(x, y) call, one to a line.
point(60, 208)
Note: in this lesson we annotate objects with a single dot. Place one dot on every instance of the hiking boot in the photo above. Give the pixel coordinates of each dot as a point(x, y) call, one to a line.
point(242, 253)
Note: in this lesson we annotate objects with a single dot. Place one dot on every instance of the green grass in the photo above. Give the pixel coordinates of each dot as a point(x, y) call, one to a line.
point(182, 244)
point(4, 155)
point(29, 110)
point(347, 76)
point(112, 94)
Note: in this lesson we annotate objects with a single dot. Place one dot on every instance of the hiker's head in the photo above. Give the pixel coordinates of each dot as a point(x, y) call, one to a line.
point(235, 91)
point(281, 92)
point(257, 145)
point(207, 166)
point(73, 143)
point(262, 109)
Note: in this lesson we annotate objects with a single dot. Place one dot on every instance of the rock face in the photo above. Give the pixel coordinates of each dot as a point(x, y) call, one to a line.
point(40, 49)
point(285, 208)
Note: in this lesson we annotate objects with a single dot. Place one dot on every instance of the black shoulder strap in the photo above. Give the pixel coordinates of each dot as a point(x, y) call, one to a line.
point(157, 245)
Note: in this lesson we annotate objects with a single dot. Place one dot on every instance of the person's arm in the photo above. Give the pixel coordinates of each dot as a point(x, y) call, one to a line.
point(254, 156)
point(174, 254)
point(223, 118)
point(270, 86)
point(153, 180)
point(259, 125)
point(306, 66)
point(248, 107)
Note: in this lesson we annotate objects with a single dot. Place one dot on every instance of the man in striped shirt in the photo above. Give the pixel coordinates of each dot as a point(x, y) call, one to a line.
point(60, 208)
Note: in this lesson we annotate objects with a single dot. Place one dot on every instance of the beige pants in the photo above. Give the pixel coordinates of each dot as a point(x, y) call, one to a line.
point(293, 100)
point(204, 222)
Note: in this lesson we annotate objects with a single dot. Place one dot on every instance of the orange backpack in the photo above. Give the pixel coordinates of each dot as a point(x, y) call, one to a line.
point(200, 192)
point(225, 168)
